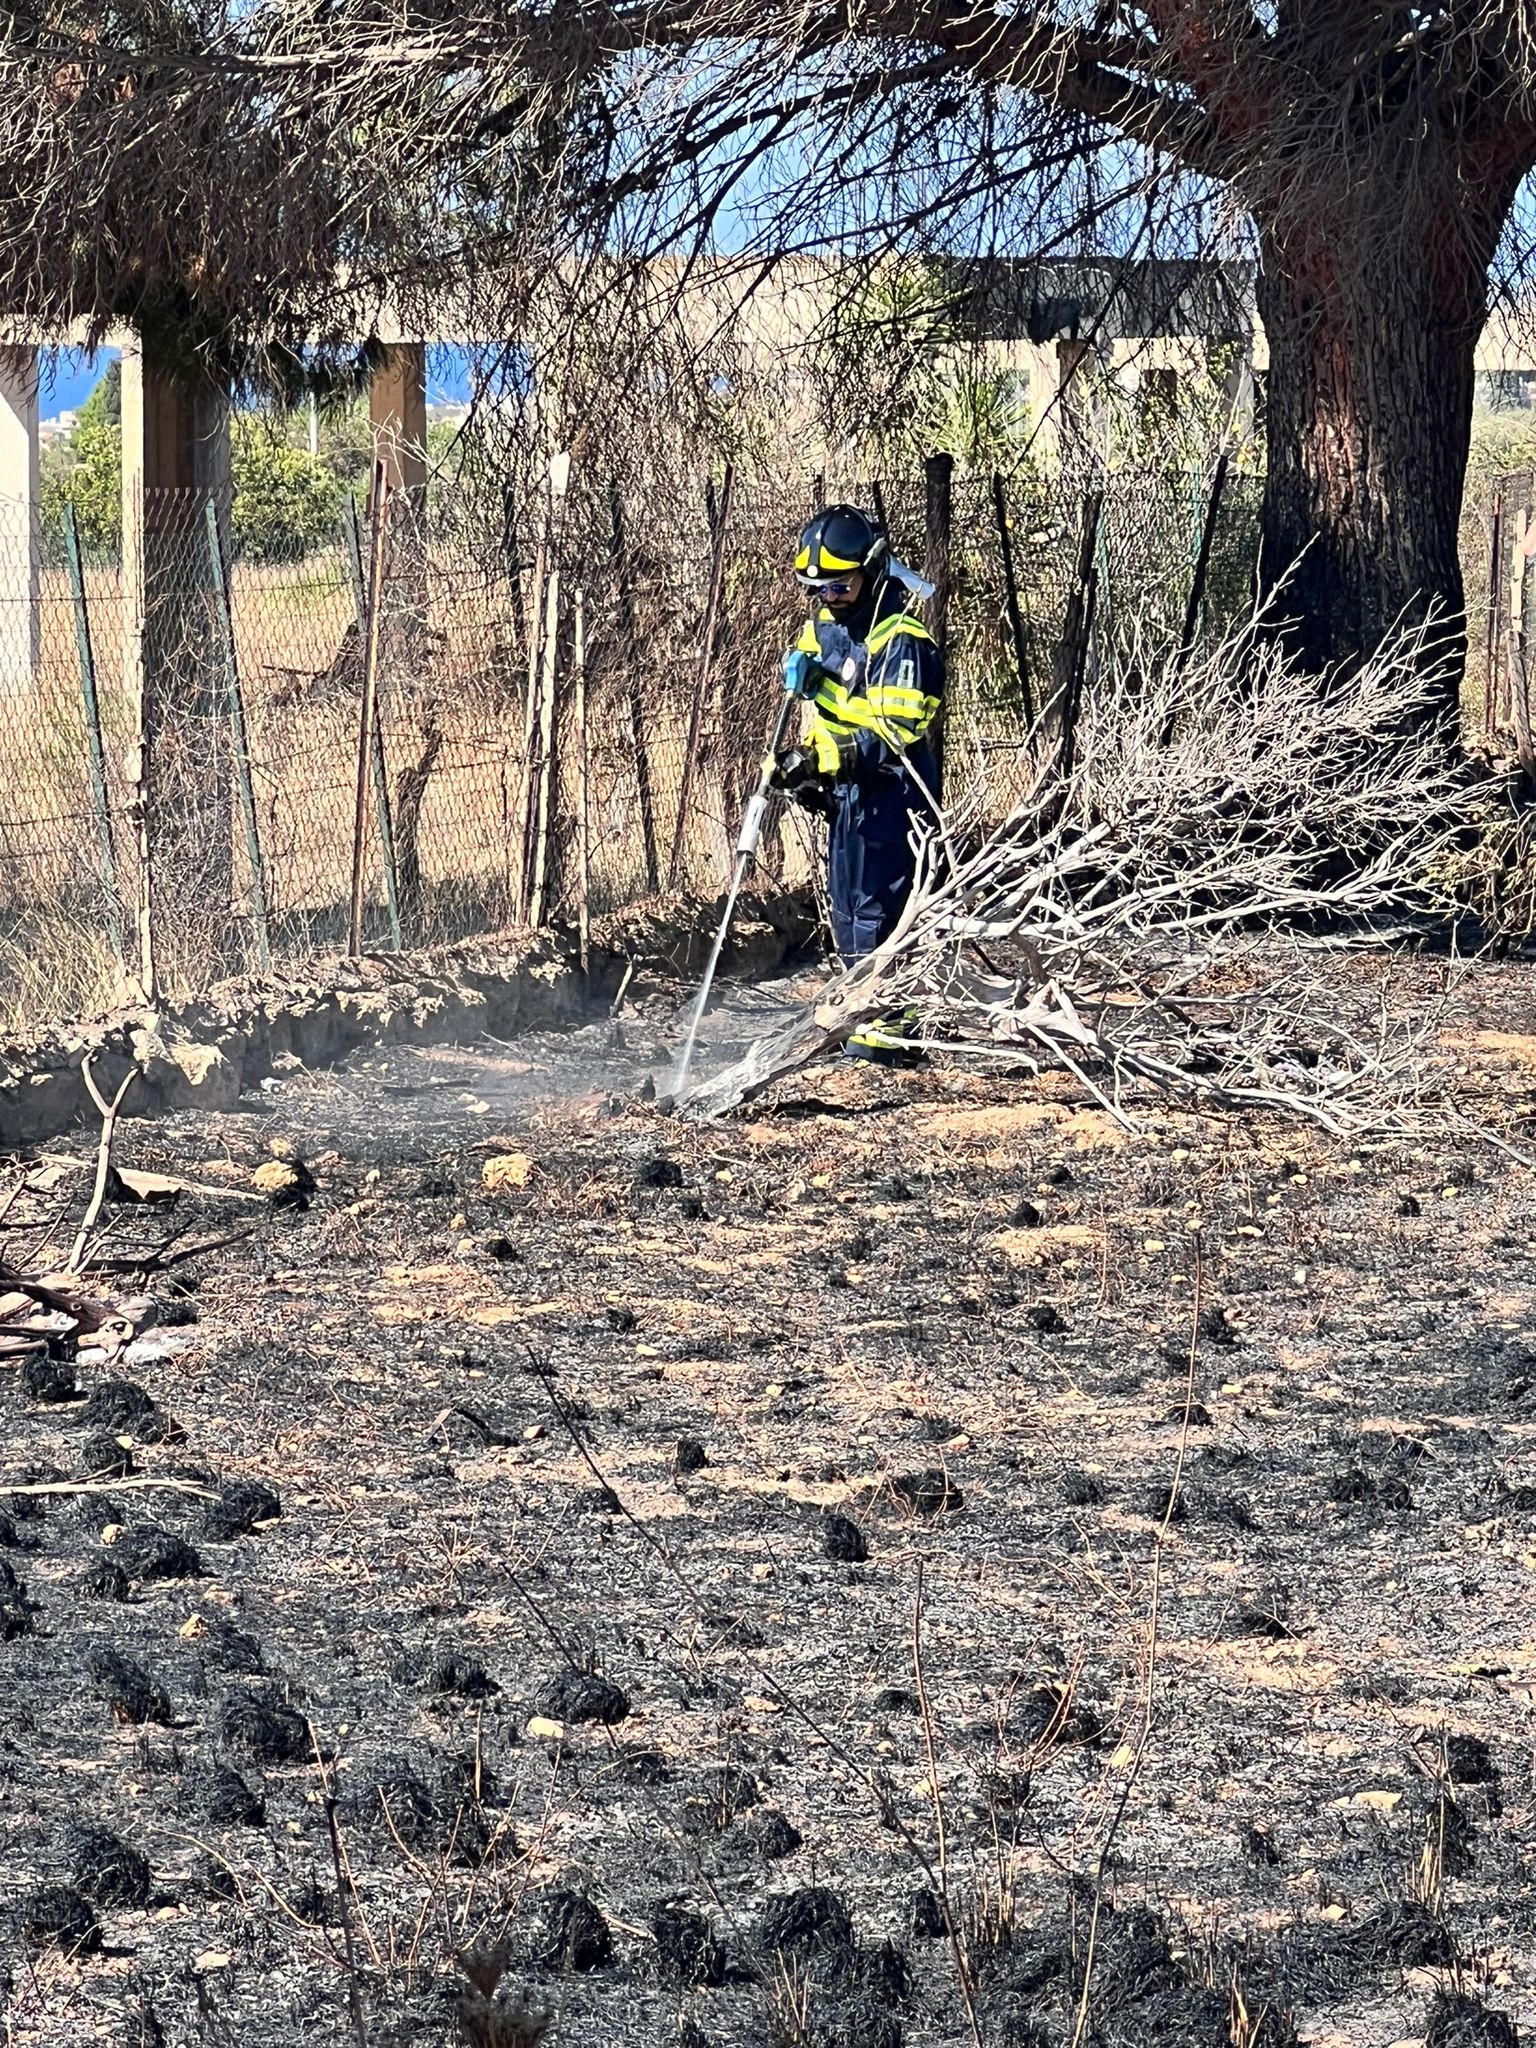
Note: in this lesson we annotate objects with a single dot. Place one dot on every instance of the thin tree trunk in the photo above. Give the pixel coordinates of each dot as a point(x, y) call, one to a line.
point(410, 793)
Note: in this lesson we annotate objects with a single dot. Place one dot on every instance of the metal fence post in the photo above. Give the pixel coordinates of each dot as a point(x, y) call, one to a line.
point(938, 482)
point(1519, 642)
point(1490, 634)
point(1196, 604)
point(583, 799)
point(1011, 598)
point(540, 725)
point(1076, 636)
point(369, 705)
point(546, 790)
point(242, 750)
point(376, 742)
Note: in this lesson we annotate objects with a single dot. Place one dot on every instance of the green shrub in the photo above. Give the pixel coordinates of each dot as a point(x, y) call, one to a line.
point(287, 502)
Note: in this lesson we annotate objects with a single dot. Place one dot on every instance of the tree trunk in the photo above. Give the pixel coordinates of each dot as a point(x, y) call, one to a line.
point(1369, 418)
point(1373, 292)
point(410, 793)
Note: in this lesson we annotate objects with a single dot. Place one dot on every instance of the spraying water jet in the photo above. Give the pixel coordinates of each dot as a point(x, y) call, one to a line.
point(748, 839)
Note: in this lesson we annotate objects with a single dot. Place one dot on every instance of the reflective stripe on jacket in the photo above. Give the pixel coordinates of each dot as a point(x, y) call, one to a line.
point(873, 721)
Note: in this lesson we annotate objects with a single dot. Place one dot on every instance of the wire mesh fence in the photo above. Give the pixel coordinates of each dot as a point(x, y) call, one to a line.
point(497, 707)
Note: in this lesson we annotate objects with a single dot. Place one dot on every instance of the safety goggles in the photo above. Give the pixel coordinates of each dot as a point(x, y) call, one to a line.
point(828, 586)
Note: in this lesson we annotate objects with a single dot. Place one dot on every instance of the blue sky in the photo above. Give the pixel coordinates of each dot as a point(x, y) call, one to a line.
point(69, 376)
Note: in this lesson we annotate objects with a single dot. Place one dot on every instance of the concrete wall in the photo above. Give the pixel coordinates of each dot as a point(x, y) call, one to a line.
point(19, 554)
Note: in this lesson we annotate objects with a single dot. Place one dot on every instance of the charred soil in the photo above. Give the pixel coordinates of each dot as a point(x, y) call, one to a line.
point(705, 1576)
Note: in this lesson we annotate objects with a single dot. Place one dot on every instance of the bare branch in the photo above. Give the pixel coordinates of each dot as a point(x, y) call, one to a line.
point(1132, 921)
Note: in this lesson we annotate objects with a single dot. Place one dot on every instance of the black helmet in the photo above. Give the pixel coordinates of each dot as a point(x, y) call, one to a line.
point(835, 543)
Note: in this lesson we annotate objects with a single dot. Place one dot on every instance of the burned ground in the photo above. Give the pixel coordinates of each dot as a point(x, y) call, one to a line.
point(540, 1575)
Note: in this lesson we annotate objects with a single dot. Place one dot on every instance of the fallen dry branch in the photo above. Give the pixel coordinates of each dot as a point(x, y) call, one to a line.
point(58, 1294)
point(1150, 926)
point(51, 1311)
point(130, 1184)
point(161, 1258)
point(108, 1113)
point(133, 1485)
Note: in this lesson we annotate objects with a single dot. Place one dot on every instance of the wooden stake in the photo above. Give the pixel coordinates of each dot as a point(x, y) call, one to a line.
point(369, 708)
point(583, 805)
point(701, 695)
point(1011, 599)
point(636, 703)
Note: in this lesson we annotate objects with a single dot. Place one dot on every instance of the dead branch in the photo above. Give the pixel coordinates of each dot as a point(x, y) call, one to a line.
point(161, 1258)
point(344, 1891)
point(1149, 1684)
point(58, 1293)
point(136, 1485)
point(1133, 917)
point(962, 1963)
point(108, 1112)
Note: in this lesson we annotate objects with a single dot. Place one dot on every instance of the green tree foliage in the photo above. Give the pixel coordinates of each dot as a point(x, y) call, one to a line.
point(86, 469)
point(287, 502)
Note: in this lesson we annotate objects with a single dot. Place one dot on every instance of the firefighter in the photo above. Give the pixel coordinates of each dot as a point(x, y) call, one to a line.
point(873, 679)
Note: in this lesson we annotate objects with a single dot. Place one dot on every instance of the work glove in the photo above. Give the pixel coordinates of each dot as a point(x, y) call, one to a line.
point(795, 772)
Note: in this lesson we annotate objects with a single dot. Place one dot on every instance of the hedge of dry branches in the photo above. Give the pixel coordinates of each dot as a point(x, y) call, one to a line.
point(1152, 921)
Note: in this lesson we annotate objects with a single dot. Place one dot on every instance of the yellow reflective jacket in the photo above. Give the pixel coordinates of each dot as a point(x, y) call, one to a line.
point(873, 721)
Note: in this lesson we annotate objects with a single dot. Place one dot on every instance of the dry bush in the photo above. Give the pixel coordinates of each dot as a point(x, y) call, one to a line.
point(1147, 918)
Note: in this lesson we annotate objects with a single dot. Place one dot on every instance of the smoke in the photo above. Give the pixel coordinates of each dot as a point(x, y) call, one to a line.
point(411, 1100)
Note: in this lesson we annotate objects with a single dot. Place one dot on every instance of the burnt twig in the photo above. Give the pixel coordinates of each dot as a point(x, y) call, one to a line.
point(108, 1112)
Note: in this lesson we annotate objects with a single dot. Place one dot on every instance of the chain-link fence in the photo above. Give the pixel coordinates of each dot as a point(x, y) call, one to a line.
point(569, 697)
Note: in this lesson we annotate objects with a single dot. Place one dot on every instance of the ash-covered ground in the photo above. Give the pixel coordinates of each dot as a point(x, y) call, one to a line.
point(728, 1575)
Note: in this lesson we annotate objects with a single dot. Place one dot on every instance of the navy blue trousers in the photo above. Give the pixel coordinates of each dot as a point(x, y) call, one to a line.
point(870, 861)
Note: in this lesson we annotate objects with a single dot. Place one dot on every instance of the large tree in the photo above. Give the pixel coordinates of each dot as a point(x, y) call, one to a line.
point(1368, 155)
point(232, 163)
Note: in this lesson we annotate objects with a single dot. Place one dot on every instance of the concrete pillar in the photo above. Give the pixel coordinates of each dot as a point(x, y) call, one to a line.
point(1038, 359)
point(19, 538)
point(397, 416)
point(175, 463)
